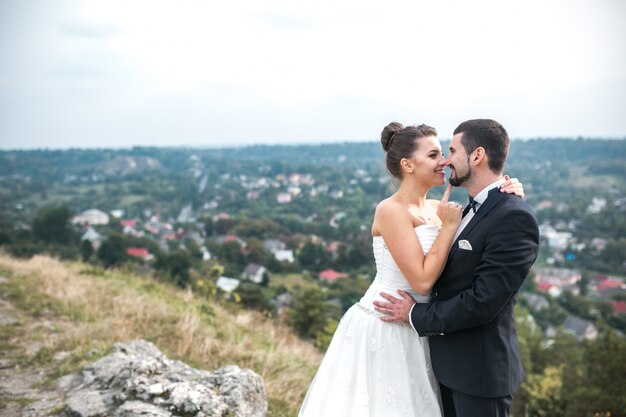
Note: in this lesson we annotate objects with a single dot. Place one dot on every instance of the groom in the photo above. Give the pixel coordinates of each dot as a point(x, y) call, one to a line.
point(473, 341)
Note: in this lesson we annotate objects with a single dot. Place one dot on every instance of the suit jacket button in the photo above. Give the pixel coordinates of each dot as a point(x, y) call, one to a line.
point(435, 294)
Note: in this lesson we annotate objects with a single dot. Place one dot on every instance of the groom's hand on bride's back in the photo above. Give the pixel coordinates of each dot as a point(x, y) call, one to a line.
point(397, 309)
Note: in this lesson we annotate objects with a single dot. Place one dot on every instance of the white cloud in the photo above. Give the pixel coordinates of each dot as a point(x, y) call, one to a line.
point(148, 71)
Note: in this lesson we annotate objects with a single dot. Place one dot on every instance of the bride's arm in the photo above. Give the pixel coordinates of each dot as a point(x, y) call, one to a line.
point(396, 227)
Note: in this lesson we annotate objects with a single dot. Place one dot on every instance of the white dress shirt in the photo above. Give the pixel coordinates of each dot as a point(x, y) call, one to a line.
point(479, 199)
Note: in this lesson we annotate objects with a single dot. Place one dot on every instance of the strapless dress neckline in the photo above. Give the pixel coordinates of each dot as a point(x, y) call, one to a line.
point(416, 228)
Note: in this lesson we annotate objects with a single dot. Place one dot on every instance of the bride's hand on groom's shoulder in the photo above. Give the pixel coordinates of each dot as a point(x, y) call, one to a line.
point(512, 186)
point(397, 310)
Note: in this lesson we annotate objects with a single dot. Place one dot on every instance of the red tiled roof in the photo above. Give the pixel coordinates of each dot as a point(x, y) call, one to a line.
point(333, 246)
point(610, 284)
point(141, 252)
point(331, 275)
point(600, 278)
point(619, 307)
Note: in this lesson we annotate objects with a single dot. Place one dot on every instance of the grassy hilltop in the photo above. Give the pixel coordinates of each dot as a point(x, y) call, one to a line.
point(82, 311)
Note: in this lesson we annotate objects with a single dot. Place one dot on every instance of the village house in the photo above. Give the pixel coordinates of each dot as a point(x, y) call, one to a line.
point(272, 245)
point(333, 249)
point(556, 240)
point(230, 238)
point(294, 191)
point(118, 214)
point(582, 329)
point(334, 221)
point(93, 237)
point(283, 198)
point(544, 204)
point(557, 276)
point(535, 301)
point(186, 215)
point(226, 284)
point(553, 291)
point(130, 228)
point(599, 243)
point(211, 205)
point(91, 217)
point(252, 195)
point(254, 273)
point(596, 205)
point(129, 222)
point(281, 302)
point(606, 286)
point(285, 255)
point(279, 250)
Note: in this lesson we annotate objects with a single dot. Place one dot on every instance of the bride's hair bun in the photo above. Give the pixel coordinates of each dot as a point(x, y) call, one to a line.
point(386, 137)
point(401, 142)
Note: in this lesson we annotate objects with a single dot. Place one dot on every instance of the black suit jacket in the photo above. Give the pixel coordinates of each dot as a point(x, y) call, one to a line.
point(470, 318)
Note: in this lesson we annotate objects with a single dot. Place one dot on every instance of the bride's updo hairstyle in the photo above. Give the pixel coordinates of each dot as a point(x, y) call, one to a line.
point(401, 142)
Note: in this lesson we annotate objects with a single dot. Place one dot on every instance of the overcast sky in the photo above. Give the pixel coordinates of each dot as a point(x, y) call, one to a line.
point(78, 73)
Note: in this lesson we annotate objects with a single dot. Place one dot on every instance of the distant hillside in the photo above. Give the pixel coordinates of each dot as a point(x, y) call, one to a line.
point(56, 317)
point(350, 154)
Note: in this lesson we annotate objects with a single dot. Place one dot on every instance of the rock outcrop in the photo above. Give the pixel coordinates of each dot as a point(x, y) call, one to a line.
point(138, 380)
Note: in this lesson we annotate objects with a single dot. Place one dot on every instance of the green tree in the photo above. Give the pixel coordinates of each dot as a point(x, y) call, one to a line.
point(309, 313)
point(86, 250)
point(323, 338)
point(313, 257)
point(112, 251)
point(223, 226)
point(257, 252)
point(600, 388)
point(545, 392)
point(52, 225)
point(251, 296)
point(176, 265)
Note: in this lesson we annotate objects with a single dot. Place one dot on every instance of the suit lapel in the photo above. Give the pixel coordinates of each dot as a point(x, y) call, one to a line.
point(493, 199)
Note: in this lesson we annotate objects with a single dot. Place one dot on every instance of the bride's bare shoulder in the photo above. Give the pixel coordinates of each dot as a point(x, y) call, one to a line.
point(387, 207)
point(389, 211)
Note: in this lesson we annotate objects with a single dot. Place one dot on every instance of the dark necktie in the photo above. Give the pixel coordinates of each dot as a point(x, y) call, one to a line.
point(471, 205)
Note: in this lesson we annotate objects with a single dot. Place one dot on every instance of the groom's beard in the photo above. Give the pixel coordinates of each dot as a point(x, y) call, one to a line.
point(458, 181)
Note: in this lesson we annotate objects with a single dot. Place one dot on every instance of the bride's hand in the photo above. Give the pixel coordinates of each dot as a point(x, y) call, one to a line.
point(450, 213)
point(512, 186)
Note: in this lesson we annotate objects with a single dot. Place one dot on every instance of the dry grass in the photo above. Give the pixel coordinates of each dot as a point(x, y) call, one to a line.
point(102, 308)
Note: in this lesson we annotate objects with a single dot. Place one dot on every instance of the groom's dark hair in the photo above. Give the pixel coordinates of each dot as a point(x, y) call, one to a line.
point(488, 134)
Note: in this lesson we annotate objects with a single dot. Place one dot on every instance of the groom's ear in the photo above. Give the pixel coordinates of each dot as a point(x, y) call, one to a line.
point(478, 156)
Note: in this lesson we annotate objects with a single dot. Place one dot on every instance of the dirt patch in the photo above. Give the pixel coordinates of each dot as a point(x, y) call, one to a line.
point(23, 390)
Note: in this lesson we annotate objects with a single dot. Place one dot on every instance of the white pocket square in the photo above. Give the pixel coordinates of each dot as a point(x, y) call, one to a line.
point(465, 245)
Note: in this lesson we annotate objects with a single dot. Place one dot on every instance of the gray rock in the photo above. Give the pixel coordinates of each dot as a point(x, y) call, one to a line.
point(141, 409)
point(136, 379)
point(89, 404)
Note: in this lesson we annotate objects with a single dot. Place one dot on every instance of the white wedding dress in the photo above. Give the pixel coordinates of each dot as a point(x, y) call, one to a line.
point(372, 368)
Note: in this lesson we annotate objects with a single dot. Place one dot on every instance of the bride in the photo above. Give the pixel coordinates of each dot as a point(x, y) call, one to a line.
point(378, 369)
